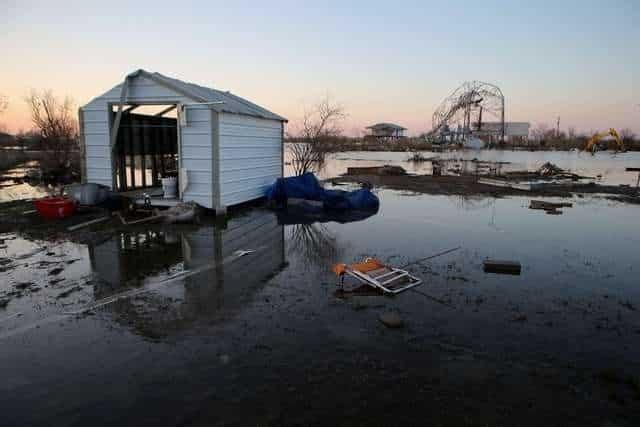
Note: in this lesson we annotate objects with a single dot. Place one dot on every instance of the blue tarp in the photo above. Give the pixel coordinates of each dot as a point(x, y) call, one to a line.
point(307, 187)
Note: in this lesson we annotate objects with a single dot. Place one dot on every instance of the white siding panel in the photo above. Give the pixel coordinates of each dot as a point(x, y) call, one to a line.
point(98, 159)
point(266, 153)
point(250, 157)
point(248, 121)
point(196, 152)
point(196, 155)
point(199, 177)
point(100, 150)
point(196, 164)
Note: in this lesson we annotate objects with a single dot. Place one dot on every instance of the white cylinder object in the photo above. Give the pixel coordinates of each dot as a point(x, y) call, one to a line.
point(170, 187)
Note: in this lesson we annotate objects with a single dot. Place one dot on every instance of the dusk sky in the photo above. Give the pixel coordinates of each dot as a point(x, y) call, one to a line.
point(389, 61)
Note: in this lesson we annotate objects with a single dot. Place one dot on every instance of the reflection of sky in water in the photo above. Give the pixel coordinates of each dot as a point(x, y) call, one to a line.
point(591, 247)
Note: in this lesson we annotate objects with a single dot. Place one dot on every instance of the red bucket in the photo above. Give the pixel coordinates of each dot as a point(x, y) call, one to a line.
point(55, 207)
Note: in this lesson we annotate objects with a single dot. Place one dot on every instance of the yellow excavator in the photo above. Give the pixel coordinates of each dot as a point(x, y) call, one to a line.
point(592, 145)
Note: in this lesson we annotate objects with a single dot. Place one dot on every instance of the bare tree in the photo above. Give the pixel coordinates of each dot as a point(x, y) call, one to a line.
point(319, 125)
point(55, 122)
point(4, 103)
point(627, 135)
point(542, 132)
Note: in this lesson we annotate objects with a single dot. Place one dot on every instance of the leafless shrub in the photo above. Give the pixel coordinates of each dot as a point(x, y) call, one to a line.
point(542, 133)
point(627, 135)
point(319, 125)
point(54, 120)
point(4, 104)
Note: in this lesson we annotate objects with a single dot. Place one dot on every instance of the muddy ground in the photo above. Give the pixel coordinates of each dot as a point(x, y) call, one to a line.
point(158, 324)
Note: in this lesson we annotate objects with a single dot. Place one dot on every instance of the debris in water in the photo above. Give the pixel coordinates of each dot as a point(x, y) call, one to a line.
point(391, 319)
point(370, 271)
point(181, 213)
point(627, 304)
point(88, 223)
point(543, 205)
point(549, 169)
point(69, 291)
point(553, 212)
point(23, 285)
point(377, 170)
point(56, 271)
point(4, 302)
point(502, 267)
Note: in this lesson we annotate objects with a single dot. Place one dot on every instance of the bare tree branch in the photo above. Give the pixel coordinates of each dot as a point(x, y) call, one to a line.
point(319, 124)
point(54, 120)
point(4, 103)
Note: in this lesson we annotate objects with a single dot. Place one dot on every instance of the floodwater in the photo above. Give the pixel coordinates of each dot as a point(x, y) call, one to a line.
point(12, 187)
point(607, 164)
point(171, 325)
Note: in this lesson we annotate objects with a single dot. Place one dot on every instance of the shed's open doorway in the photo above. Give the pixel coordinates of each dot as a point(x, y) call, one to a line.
point(146, 147)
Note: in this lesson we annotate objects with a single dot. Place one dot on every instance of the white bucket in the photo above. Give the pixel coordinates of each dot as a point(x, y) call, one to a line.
point(170, 187)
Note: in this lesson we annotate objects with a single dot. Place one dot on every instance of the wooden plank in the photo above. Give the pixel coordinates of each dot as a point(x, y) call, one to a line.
point(143, 149)
point(541, 204)
point(83, 147)
point(88, 223)
point(132, 159)
point(501, 267)
point(154, 156)
point(165, 111)
point(122, 169)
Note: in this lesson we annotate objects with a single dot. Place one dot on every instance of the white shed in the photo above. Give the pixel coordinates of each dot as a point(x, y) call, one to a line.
point(223, 149)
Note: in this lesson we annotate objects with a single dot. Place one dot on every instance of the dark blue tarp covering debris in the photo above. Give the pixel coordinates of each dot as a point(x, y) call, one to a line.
point(307, 187)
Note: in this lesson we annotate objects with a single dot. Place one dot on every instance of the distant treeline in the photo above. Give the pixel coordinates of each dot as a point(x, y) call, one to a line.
point(563, 143)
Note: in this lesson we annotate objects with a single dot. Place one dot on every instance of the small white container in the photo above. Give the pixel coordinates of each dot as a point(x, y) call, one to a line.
point(170, 187)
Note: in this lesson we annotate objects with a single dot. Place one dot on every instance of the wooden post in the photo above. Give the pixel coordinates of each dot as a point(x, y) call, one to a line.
point(83, 147)
point(144, 133)
point(122, 161)
point(132, 157)
point(154, 151)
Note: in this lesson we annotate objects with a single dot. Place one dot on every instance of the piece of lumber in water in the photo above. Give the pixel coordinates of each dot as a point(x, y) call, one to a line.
point(502, 267)
point(541, 204)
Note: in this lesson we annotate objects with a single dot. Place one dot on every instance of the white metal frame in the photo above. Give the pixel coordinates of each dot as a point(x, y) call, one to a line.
point(395, 274)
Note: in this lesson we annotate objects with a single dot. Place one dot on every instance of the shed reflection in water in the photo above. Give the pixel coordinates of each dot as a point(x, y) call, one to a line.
point(216, 281)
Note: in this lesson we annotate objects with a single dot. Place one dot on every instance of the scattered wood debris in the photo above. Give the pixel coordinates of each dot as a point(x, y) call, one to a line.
point(377, 170)
point(550, 208)
point(68, 292)
point(501, 267)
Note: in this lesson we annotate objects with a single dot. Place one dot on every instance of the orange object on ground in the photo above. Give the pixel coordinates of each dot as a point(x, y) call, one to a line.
point(366, 266)
point(372, 272)
point(55, 207)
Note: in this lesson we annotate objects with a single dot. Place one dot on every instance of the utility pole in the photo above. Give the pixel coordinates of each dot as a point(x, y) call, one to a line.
point(558, 128)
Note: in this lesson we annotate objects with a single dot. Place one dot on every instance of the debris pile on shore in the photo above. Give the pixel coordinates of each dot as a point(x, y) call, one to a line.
point(386, 170)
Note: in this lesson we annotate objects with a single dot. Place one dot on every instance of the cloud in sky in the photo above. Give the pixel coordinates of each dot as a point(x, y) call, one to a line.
point(383, 61)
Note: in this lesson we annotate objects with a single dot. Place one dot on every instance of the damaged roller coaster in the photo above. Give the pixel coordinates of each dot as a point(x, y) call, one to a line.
point(460, 115)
